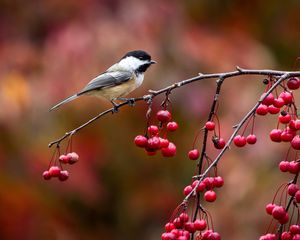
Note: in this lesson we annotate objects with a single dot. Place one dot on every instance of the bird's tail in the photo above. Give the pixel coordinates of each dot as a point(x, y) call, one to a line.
point(64, 101)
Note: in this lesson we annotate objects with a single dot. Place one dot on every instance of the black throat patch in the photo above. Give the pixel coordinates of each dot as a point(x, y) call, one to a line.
point(142, 68)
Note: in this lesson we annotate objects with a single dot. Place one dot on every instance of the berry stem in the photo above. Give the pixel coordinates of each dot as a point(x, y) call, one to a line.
point(238, 127)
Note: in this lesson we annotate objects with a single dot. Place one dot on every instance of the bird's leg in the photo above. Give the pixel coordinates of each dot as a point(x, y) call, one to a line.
point(115, 105)
point(131, 101)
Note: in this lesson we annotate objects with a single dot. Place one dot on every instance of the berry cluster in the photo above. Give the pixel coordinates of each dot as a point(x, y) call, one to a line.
point(292, 234)
point(207, 185)
point(287, 117)
point(152, 142)
point(182, 227)
point(291, 167)
point(273, 105)
point(57, 171)
point(241, 141)
point(289, 133)
point(280, 211)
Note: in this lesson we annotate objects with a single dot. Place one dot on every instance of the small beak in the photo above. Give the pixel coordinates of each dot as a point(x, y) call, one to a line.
point(152, 62)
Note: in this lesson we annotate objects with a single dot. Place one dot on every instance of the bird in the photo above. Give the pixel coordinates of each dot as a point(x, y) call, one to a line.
point(118, 80)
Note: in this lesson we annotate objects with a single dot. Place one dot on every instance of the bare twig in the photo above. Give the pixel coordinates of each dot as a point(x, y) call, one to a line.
point(110, 110)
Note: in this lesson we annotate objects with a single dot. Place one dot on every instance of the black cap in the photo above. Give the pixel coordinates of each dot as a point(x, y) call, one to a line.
point(140, 54)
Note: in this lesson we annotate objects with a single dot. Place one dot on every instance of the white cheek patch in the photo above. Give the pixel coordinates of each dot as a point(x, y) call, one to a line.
point(131, 63)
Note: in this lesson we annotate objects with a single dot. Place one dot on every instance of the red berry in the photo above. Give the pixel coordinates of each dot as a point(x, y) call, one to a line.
point(268, 236)
point(168, 236)
point(218, 181)
point(284, 220)
point(194, 154)
point(251, 139)
point(163, 116)
point(169, 151)
point(294, 167)
point(297, 124)
point(286, 136)
point(153, 130)
point(200, 225)
point(284, 166)
point(153, 143)
point(54, 171)
point(292, 125)
point(219, 143)
point(292, 189)
point(190, 227)
point(287, 97)
point(172, 126)
point(295, 229)
point(184, 217)
point(46, 175)
point(206, 234)
point(286, 236)
point(195, 182)
point(64, 158)
point(187, 190)
point(210, 125)
point(278, 212)
point(177, 222)
point(210, 196)
point(141, 141)
point(297, 196)
point(186, 234)
point(268, 99)
point(296, 237)
point(293, 83)
point(270, 207)
point(169, 227)
point(296, 142)
point(262, 109)
point(275, 135)
point(73, 157)
point(182, 238)
point(239, 141)
point(150, 152)
point(176, 231)
point(273, 110)
point(278, 102)
point(164, 142)
point(209, 182)
point(284, 118)
point(291, 131)
point(200, 187)
point(215, 236)
point(63, 175)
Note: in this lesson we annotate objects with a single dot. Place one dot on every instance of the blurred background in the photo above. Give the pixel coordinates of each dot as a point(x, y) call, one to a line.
point(50, 49)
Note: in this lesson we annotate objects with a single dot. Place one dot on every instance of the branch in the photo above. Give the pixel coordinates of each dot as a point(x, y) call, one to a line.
point(237, 128)
point(152, 94)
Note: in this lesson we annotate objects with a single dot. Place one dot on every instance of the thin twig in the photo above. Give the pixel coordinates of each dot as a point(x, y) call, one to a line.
point(110, 110)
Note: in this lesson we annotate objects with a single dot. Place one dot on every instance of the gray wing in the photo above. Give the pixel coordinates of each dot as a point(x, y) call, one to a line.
point(106, 79)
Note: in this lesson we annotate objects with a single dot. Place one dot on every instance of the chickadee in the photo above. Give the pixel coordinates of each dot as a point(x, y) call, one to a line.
point(118, 80)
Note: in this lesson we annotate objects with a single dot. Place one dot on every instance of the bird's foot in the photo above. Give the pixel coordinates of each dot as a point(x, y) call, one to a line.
point(115, 106)
point(131, 101)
